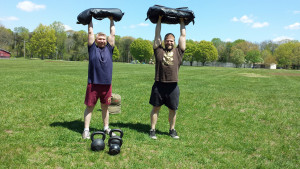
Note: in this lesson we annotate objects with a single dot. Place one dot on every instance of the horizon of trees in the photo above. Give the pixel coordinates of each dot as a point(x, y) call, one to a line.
point(53, 42)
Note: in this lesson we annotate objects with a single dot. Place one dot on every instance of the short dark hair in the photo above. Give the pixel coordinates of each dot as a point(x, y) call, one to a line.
point(169, 34)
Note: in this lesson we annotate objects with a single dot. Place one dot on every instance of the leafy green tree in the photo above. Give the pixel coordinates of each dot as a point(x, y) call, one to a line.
point(296, 55)
point(69, 44)
point(61, 37)
point(217, 42)
point(253, 56)
point(238, 41)
point(125, 48)
point(81, 54)
point(267, 57)
point(189, 51)
point(265, 53)
point(268, 45)
point(221, 48)
point(222, 53)
point(21, 35)
point(117, 40)
point(283, 41)
point(245, 46)
point(225, 54)
point(116, 54)
point(284, 54)
point(43, 41)
point(80, 39)
point(80, 47)
point(238, 57)
point(205, 51)
point(6, 38)
point(141, 50)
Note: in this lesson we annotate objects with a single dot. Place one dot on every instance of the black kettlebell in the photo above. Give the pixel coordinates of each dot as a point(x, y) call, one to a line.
point(115, 142)
point(98, 144)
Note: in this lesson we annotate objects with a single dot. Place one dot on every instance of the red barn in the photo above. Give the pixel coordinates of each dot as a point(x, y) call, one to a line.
point(4, 54)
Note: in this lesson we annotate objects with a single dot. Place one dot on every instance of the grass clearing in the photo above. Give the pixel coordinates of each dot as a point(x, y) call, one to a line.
point(227, 118)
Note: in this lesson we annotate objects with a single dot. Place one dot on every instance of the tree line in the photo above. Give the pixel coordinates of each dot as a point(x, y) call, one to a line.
point(53, 42)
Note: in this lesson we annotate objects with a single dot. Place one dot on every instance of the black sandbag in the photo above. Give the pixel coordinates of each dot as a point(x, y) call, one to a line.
point(170, 15)
point(85, 17)
point(101, 13)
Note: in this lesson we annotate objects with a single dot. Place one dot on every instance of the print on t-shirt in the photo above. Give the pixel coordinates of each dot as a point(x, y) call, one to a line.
point(168, 58)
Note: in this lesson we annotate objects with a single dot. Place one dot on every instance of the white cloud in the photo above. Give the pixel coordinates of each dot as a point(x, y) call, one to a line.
point(10, 18)
point(246, 19)
point(280, 38)
point(28, 6)
point(235, 19)
point(139, 25)
point(143, 24)
point(243, 19)
point(294, 26)
point(260, 25)
point(228, 40)
point(132, 26)
point(67, 27)
point(296, 12)
point(249, 21)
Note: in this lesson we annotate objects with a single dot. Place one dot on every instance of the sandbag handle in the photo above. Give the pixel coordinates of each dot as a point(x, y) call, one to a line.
point(183, 8)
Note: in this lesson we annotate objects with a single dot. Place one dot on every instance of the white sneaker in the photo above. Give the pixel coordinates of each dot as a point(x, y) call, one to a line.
point(86, 134)
point(108, 130)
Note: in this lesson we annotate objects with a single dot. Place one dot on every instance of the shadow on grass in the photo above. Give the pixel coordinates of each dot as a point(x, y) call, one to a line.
point(139, 127)
point(76, 125)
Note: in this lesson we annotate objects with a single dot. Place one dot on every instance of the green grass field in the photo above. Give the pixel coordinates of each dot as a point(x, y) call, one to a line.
point(227, 118)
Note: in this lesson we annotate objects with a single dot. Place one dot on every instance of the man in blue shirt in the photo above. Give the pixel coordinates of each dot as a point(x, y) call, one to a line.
point(99, 75)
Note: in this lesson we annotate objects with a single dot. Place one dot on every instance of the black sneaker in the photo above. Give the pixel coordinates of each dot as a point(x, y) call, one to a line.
point(152, 134)
point(173, 134)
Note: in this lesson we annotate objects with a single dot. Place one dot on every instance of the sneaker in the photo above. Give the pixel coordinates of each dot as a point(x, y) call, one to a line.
point(173, 134)
point(152, 134)
point(107, 132)
point(86, 134)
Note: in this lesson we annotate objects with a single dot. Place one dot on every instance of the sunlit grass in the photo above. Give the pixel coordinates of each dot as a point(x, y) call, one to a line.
point(227, 118)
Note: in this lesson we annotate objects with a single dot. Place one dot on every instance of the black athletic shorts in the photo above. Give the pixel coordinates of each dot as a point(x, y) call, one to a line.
point(165, 93)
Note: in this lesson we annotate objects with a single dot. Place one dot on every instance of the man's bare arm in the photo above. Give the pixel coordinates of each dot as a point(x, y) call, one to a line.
point(182, 38)
point(91, 37)
point(111, 37)
point(157, 38)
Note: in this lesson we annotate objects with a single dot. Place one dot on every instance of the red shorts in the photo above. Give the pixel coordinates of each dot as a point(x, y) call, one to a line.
point(96, 91)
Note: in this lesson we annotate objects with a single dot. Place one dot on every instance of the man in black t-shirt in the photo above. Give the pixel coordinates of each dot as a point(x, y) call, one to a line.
point(165, 90)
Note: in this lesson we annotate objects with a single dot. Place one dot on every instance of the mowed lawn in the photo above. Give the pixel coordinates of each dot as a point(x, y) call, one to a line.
point(227, 118)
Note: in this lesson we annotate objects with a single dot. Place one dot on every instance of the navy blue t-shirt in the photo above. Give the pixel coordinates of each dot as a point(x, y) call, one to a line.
point(100, 64)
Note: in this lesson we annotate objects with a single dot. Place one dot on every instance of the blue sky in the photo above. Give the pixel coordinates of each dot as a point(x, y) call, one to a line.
point(252, 20)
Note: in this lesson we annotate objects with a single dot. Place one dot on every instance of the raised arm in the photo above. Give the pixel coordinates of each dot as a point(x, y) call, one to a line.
point(111, 37)
point(182, 38)
point(157, 38)
point(91, 37)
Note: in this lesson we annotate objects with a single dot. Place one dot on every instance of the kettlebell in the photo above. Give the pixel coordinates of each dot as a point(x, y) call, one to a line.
point(98, 144)
point(115, 142)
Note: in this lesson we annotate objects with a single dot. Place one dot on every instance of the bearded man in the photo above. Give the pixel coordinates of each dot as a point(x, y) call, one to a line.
point(165, 90)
